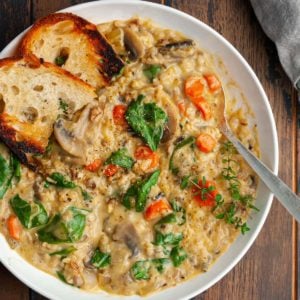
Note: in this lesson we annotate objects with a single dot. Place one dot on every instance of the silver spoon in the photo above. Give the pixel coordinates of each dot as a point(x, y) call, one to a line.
point(282, 192)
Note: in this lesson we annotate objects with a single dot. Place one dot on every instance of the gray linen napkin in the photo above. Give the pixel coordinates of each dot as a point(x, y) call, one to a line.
point(280, 19)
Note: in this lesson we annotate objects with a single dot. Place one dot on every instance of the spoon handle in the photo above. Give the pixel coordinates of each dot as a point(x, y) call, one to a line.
point(282, 192)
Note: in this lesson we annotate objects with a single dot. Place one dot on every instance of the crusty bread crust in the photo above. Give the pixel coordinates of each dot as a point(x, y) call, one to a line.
point(100, 56)
point(23, 138)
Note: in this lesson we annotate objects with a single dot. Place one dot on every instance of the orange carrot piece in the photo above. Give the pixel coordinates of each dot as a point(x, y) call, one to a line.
point(209, 197)
point(143, 152)
point(94, 166)
point(156, 208)
point(193, 87)
point(204, 107)
point(14, 227)
point(110, 170)
point(205, 142)
point(212, 82)
point(119, 115)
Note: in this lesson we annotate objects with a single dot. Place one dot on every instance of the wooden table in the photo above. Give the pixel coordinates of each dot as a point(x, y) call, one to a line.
point(270, 269)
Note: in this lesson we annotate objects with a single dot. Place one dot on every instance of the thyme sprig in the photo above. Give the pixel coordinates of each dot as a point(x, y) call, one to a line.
point(229, 174)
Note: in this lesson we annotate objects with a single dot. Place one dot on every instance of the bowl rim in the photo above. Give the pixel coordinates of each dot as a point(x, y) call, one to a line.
point(10, 47)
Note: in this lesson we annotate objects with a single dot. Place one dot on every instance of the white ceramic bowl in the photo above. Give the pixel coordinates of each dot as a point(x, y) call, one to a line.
point(241, 72)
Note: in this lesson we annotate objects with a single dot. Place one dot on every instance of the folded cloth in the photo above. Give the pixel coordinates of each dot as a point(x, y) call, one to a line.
point(280, 19)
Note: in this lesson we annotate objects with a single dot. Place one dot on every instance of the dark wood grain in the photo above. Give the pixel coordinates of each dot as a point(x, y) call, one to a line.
point(271, 267)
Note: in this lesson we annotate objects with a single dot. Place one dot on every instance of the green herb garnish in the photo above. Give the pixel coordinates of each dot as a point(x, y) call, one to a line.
point(64, 252)
point(179, 211)
point(178, 255)
point(100, 259)
point(159, 263)
point(140, 191)
point(167, 239)
point(60, 60)
point(147, 120)
point(62, 277)
point(140, 270)
point(63, 106)
point(121, 159)
point(152, 71)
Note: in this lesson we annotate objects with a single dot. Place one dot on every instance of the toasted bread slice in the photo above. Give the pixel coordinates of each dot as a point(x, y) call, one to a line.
point(74, 44)
point(32, 96)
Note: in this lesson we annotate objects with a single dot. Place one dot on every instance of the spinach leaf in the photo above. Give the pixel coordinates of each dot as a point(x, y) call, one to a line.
point(60, 231)
point(185, 182)
point(121, 159)
point(7, 172)
point(29, 216)
point(147, 120)
point(178, 146)
point(39, 215)
point(100, 259)
point(22, 209)
point(60, 181)
point(159, 263)
point(152, 71)
point(140, 191)
point(167, 239)
point(180, 212)
point(178, 255)
point(140, 270)
point(64, 252)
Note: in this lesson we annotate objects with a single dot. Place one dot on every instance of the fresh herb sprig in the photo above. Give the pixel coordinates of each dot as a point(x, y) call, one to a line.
point(230, 176)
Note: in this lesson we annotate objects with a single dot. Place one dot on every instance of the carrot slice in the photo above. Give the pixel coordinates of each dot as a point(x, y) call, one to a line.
point(110, 170)
point(14, 228)
point(205, 142)
point(143, 152)
point(204, 107)
point(154, 160)
point(193, 87)
point(212, 82)
point(206, 196)
point(156, 209)
point(119, 115)
point(94, 166)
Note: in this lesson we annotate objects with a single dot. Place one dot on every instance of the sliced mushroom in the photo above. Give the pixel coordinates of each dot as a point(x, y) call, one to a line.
point(178, 49)
point(133, 44)
point(126, 233)
point(172, 129)
point(70, 135)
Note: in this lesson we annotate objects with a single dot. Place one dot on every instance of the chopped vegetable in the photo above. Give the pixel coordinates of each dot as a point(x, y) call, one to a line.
point(140, 270)
point(178, 146)
point(110, 170)
point(64, 252)
point(119, 112)
point(212, 82)
point(14, 228)
point(178, 255)
point(205, 142)
point(140, 191)
point(179, 211)
point(193, 87)
point(152, 71)
point(205, 192)
point(185, 182)
point(61, 181)
point(62, 277)
point(167, 239)
point(156, 209)
point(147, 120)
point(8, 171)
point(159, 263)
point(170, 218)
point(120, 158)
point(204, 107)
point(100, 259)
point(94, 166)
point(144, 152)
point(29, 216)
point(58, 231)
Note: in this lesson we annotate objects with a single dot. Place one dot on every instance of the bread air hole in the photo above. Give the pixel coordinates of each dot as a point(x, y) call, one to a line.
point(38, 88)
point(15, 90)
point(2, 104)
point(30, 114)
